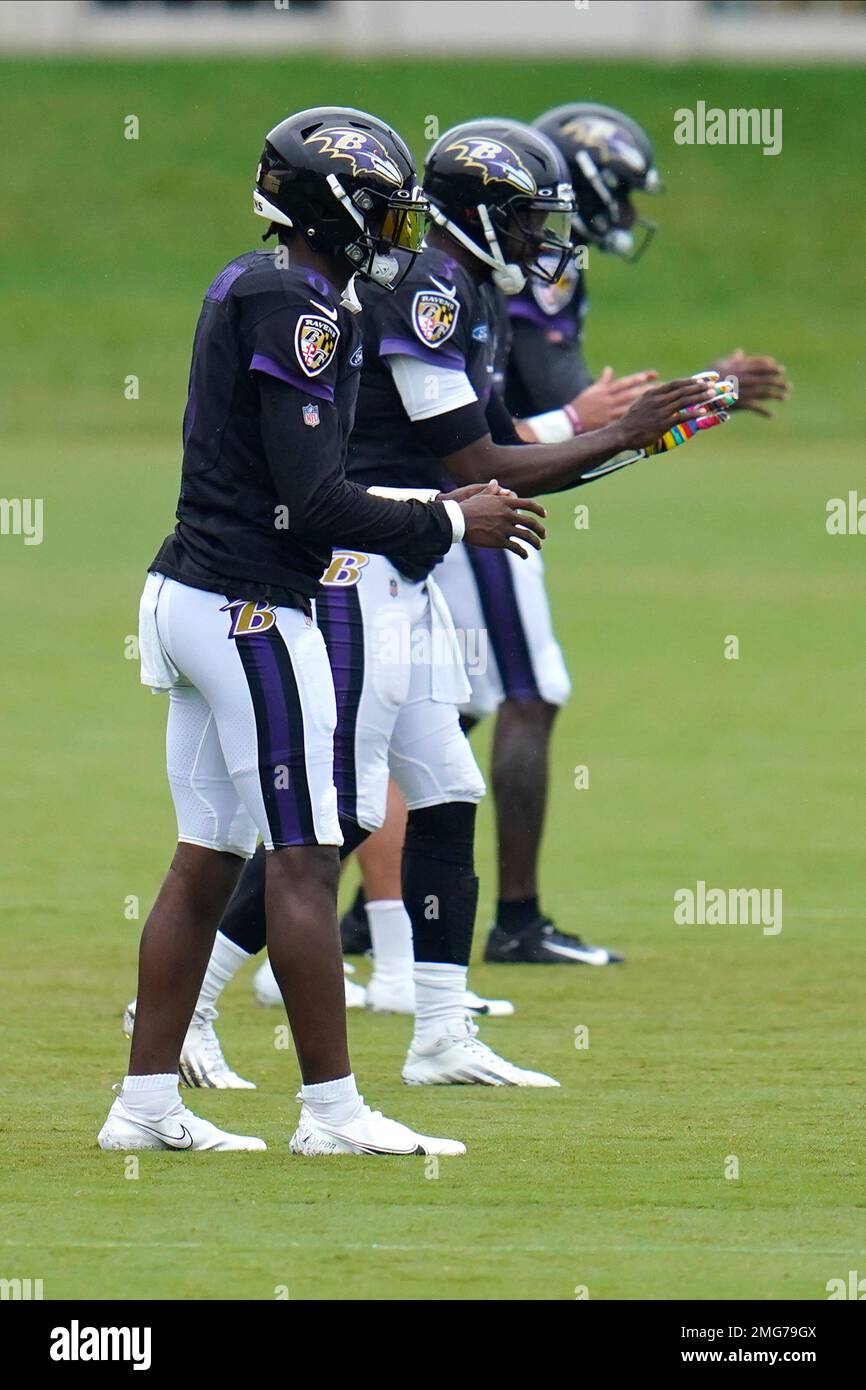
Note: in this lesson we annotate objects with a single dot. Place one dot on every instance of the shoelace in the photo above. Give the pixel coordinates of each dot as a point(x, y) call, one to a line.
point(210, 1043)
point(471, 1038)
point(549, 929)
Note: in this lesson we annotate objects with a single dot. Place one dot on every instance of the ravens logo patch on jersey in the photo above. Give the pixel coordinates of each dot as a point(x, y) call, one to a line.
point(434, 316)
point(315, 342)
point(553, 298)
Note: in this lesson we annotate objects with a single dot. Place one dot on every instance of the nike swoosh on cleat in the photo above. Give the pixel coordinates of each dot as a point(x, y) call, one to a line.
point(400, 1153)
point(172, 1139)
point(583, 954)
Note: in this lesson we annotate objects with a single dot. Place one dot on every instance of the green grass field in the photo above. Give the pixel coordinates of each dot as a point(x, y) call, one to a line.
point(711, 1041)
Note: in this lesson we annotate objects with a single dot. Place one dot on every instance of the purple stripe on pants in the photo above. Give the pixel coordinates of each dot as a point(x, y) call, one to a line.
point(276, 737)
point(504, 623)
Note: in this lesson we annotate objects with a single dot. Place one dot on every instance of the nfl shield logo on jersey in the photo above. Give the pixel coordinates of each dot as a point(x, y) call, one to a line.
point(315, 342)
point(434, 316)
point(311, 415)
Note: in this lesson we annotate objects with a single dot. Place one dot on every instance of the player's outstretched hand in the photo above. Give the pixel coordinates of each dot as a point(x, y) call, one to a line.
point(608, 398)
point(495, 518)
point(662, 407)
point(759, 379)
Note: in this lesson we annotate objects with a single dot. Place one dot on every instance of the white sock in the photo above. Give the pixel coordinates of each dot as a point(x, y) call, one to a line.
point(150, 1097)
point(332, 1102)
point(225, 961)
point(439, 1006)
point(391, 934)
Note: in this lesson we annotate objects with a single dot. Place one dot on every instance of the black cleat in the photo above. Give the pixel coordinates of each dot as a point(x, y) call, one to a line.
point(541, 944)
point(354, 930)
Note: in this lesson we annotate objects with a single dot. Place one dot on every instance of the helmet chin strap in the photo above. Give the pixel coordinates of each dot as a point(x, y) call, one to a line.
point(507, 275)
point(620, 242)
point(349, 298)
point(382, 268)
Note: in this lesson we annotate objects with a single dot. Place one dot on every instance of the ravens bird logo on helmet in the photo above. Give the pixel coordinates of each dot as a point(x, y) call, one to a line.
point(498, 163)
point(363, 151)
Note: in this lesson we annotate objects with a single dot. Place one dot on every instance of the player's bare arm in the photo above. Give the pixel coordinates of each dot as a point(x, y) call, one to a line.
point(541, 468)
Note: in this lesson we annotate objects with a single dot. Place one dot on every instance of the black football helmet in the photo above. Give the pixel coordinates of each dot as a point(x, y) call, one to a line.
point(346, 182)
point(501, 189)
point(609, 157)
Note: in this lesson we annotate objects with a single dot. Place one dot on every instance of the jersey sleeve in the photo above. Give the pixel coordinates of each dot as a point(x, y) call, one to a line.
point(427, 389)
point(322, 505)
point(426, 320)
point(298, 342)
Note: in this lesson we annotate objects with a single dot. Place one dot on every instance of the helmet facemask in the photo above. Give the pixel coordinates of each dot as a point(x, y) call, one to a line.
point(525, 236)
point(611, 224)
point(536, 233)
point(390, 231)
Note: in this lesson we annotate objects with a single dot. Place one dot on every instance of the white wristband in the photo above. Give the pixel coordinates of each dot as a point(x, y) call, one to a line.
point(458, 521)
point(553, 427)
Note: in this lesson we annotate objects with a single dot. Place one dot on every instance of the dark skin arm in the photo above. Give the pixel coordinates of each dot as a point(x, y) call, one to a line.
point(534, 469)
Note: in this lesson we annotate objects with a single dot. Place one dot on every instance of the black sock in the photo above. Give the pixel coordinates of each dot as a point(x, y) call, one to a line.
point(517, 913)
point(243, 921)
point(440, 889)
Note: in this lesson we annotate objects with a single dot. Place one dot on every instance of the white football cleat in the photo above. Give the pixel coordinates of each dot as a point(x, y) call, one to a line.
point(487, 1008)
point(461, 1059)
point(202, 1063)
point(390, 996)
point(356, 995)
point(180, 1129)
point(368, 1132)
point(267, 991)
point(265, 986)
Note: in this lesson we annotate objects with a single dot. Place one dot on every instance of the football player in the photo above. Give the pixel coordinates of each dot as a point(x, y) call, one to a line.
point(226, 621)
point(609, 160)
point(428, 416)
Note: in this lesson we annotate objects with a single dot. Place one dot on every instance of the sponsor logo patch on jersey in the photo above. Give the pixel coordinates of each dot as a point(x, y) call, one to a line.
point(551, 299)
point(364, 153)
point(434, 316)
point(345, 568)
point(481, 333)
point(316, 341)
point(357, 358)
point(498, 163)
point(248, 618)
point(310, 413)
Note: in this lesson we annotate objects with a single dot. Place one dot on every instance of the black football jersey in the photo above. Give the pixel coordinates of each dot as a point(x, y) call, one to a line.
point(263, 490)
point(546, 368)
point(439, 315)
